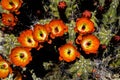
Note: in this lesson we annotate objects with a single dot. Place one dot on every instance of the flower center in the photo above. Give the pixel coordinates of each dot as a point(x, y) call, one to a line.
point(29, 40)
point(88, 43)
point(83, 27)
point(22, 55)
point(41, 34)
point(68, 52)
point(56, 29)
point(11, 3)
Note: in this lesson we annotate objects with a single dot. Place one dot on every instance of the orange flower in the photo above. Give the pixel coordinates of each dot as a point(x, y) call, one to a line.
point(90, 44)
point(40, 33)
point(26, 39)
point(11, 5)
point(57, 28)
point(20, 56)
point(5, 68)
point(68, 52)
point(84, 26)
point(9, 19)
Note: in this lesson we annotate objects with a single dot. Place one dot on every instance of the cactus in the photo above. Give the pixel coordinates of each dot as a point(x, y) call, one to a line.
point(46, 62)
point(81, 68)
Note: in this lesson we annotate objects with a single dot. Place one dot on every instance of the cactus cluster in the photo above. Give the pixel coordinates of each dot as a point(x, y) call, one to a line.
point(59, 39)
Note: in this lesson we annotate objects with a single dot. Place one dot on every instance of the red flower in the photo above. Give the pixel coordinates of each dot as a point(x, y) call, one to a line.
point(57, 28)
point(5, 68)
point(86, 14)
point(26, 39)
point(20, 56)
point(90, 44)
point(40, 33)
point(103, 46)
point(62, 4)
point(78, 39)
point(100, 8)
point(117, 38)
point(68, 52)
point(84, 26)
point(9, 19)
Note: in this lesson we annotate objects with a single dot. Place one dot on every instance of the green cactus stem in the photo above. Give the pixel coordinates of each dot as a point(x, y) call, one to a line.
point(81, 67)
point(109, 21)
point(10, 41)
point(71, 32)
